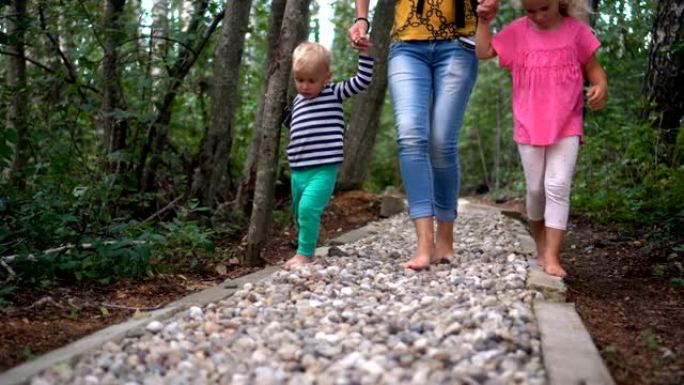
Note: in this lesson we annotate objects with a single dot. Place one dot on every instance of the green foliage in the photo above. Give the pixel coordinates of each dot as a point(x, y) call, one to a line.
point(610, 349)
point(187, 244)
point(625, 174)
point(384, 168)
point(5, 292)
point(650, 339)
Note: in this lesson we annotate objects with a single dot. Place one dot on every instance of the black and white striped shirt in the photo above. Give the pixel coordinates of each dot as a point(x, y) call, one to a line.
point(317, 125)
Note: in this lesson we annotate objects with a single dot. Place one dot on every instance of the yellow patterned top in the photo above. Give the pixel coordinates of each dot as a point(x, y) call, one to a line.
point(436, 22)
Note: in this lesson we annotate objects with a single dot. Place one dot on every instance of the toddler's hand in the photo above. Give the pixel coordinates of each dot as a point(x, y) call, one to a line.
point(363, 45)
point(596, 96)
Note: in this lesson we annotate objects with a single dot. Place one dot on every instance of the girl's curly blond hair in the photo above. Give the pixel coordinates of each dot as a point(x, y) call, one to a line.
point(579, 9)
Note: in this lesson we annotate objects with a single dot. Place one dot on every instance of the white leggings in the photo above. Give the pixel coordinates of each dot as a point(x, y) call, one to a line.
point(548, 174)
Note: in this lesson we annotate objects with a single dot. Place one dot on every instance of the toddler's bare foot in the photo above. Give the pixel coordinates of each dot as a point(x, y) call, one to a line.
point(295, 261)
point(419, 262)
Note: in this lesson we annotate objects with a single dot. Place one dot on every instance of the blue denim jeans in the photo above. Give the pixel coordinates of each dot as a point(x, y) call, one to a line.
point(430, 83)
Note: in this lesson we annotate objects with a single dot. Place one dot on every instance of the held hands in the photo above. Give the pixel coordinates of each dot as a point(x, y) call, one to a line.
point(596, 96)
point(358, 37)
point(486, 10)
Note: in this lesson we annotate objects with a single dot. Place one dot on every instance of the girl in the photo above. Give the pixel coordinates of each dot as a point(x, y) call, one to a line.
point(547, 53)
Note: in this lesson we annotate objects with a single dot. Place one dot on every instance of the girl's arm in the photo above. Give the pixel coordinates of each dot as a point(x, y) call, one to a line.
point(483, 34)
point(598, 92)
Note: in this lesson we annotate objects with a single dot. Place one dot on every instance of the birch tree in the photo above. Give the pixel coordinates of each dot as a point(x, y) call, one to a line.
point(248, 181)
point(367, 107)
point(296, 13)
point(212, 183)
point(17, 119)
point(665, 72)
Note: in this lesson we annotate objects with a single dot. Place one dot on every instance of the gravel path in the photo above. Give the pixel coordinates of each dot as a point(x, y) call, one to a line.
point(356, 317)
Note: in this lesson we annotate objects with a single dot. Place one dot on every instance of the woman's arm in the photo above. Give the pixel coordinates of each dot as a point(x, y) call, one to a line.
point(358, 31)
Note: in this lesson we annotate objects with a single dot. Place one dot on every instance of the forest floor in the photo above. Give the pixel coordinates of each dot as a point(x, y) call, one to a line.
point(634, 316)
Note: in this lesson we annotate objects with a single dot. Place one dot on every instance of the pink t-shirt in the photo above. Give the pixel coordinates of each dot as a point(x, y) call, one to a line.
point(546, 67)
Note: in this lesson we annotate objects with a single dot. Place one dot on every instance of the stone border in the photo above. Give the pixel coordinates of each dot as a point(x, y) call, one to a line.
point(569, 354)
point(570, 357)
point(72, 352)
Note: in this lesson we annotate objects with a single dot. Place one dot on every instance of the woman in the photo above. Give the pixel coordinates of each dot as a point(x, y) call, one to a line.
point(431, 72)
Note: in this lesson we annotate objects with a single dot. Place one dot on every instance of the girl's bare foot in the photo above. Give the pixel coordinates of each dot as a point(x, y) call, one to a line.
point(555, 270)
point(552, 267)
point(538, 230)
point(419, 262)
point(295, 261)
point(541, 261)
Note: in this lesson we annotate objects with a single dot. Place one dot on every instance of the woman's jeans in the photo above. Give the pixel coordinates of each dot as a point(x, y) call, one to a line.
point(430, 84)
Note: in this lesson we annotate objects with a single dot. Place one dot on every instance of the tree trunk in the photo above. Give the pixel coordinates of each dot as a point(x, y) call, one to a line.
point(296, 12)
point(16, 84)
point(665, 72)
point(115, 128)
point(157, 135)
point(248, 181)
point(212, 181)
point(159, 43)
point(367, 107)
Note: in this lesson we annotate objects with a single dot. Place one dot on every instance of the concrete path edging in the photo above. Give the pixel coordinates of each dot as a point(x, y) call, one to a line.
point(70, 353)
point(570, 357)
point(569, 354)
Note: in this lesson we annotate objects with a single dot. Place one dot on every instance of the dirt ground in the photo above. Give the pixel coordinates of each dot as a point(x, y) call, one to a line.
point(635, 317)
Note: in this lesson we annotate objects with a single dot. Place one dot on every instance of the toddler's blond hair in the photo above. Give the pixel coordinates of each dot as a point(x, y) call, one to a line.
point(307, 54)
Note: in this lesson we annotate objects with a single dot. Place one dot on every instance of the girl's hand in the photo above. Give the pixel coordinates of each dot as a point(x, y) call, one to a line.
point(597, 95)
point(486, 10)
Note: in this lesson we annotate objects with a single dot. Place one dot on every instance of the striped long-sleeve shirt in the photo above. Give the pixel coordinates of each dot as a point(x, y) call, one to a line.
point(317, 124)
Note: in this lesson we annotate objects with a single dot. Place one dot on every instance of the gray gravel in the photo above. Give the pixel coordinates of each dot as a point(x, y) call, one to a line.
point(354, 318)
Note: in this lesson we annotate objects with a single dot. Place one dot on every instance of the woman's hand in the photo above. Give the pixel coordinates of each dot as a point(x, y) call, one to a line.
point(358, 36)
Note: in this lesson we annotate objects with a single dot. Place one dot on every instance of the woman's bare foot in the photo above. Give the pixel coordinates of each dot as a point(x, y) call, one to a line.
point(444, 244)
point(442, 254)
point(295, 261)
point(419, 262)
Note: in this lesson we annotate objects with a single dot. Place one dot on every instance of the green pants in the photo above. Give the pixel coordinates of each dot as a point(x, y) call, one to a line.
point(311, 192)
